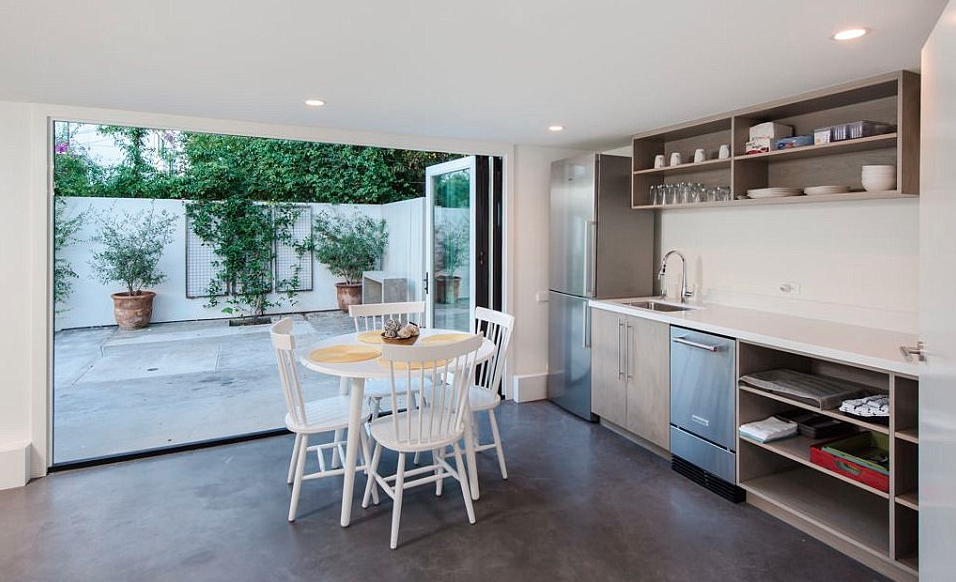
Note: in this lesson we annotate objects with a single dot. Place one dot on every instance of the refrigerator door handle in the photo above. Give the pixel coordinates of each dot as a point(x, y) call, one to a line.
point(586, 332)
point(588, 258)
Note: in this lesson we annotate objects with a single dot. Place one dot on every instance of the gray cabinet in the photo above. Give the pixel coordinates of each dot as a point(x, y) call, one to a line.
point(630, 384)
point(608, 387)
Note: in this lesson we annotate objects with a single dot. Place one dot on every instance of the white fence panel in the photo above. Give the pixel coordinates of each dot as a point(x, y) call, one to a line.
point(90, 305)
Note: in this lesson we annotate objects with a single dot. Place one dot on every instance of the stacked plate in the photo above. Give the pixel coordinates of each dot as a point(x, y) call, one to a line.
point(821, 190)
point(879, 178)
point(774, 192)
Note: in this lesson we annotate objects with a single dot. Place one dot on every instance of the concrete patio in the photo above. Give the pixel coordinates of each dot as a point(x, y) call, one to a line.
point(173, 383)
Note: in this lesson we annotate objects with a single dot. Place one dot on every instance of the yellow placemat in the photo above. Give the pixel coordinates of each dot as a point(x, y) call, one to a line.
point(343, 354)
point(370, 337)
point(445, 338)
point(413, 365)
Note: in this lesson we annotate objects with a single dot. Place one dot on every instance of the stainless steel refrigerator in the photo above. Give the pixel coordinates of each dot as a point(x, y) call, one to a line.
point(599, 249)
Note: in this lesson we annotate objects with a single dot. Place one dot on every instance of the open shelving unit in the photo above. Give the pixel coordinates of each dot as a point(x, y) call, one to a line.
point(879, 528)
point(892, 98)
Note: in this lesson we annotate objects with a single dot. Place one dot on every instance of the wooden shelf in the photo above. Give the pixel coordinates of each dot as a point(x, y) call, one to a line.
point(891, 195)
point(882, 429)
point(797, 449)
point(910, 434)
point(685, 168)
point(841, 510)
point(875, 142)
point(892, 98)
point(909, 499)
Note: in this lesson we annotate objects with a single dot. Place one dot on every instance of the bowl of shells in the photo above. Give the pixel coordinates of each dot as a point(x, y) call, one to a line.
point(396, 333)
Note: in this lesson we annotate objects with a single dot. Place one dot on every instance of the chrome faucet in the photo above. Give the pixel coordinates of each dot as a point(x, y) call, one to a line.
point(684, 293)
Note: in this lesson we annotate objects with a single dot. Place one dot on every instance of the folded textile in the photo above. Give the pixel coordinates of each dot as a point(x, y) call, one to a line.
point(768, 429)
point(821, 391)
point(870, 406)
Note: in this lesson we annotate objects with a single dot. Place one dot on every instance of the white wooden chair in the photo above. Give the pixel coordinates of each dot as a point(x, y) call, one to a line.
point(434, 426)
point(310, 418)
point(373, 317)
point(484, 394)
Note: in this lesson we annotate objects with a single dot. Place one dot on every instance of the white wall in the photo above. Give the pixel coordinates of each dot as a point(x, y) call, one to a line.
point(24, 256)
point(20, 326)
point(530, 231)
point(855, 262)
point(90, 305)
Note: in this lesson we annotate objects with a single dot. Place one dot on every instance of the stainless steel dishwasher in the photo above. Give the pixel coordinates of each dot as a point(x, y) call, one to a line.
point(703, 423)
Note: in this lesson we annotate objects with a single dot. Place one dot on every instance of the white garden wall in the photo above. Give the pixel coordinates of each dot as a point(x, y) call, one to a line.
point(90, 304)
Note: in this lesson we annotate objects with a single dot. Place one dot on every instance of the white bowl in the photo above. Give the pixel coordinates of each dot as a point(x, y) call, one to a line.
point(887, 173)
point(879, 184)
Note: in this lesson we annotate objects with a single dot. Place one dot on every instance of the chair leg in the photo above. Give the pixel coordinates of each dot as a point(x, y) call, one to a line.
point(498, 448)
point(295, 456)
point(397, 507)
point(370, 480)
point(297, 481)
point(335, 450)
point(439, 470)
point(366, 459)
point(470, 445)
point(463, 479)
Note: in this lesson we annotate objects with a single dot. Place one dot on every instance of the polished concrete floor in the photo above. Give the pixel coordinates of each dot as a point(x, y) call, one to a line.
point(581, 504)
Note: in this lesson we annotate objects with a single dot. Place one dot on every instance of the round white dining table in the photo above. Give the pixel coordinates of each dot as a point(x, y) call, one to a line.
point(356, 373)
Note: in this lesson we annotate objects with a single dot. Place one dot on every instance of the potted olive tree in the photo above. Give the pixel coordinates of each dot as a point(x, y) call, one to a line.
point(452, 245)
point(348, 245)
point(132, 246)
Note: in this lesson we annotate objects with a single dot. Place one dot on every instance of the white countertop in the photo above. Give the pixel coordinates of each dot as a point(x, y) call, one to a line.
point(864, 346)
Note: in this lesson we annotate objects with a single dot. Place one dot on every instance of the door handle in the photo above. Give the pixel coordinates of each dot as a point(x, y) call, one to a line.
point(588, 267)
point(425, 283)
point(699, 346)
point(586, 333)
point(627, 351)
point(908, 352)
point(620, 352)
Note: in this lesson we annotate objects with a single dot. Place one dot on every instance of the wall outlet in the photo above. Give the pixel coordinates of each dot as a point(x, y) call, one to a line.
point(790, 288)
point(541, 297)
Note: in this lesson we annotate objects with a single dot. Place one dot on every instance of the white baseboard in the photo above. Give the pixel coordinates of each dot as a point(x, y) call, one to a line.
point(14, 464)
point(530, 387)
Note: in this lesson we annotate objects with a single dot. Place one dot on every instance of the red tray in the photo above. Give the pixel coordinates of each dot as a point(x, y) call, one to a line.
point(847, 468)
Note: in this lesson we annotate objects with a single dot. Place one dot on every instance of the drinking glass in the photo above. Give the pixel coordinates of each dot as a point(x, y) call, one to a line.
point(670, 194)
point(711, 195)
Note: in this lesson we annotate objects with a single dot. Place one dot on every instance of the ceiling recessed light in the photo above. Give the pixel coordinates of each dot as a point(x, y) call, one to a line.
point(850, 34)
point(314, 102)
point(555, 128)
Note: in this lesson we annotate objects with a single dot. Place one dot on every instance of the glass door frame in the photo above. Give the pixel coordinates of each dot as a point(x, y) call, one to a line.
point(431, 172)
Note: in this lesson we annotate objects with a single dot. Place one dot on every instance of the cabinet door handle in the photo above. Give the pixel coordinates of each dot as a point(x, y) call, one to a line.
point(699, 346)
point(627, 351)
point(620, 352)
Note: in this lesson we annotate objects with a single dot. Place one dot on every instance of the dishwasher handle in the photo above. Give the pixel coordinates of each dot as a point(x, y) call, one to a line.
point(698, 345)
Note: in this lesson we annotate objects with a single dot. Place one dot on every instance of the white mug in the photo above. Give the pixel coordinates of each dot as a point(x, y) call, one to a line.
point(675, 159)
point(724, 152)
point(699, 155)
point(659, 161)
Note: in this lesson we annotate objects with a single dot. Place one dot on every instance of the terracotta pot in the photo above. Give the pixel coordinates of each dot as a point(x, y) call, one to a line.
point(133, 311)
point(447, 289)
point(348, 294)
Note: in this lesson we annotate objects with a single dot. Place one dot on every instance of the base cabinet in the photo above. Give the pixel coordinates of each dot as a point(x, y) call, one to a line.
point(630, 367)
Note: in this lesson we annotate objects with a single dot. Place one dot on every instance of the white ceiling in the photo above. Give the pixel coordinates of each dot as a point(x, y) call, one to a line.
point(497, 70)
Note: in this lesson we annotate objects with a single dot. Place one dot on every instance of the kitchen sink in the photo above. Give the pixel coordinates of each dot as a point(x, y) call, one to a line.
point(658, 306)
